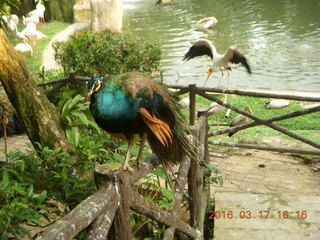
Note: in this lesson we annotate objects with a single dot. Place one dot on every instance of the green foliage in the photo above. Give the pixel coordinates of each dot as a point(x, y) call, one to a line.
point(18, 204)
point(60, 174)
point(91, 143)
point(209, 170)
point(106, 53)
point(75, 113)
point(5, 9)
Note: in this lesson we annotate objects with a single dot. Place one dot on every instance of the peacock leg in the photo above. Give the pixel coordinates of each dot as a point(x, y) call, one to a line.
point(142, 142)
point(126, 165)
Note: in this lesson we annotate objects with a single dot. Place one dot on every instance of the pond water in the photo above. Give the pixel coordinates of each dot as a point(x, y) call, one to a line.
point(280, 38)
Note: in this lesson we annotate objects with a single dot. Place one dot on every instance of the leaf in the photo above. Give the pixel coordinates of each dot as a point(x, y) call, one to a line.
point(30, 191)
point(75, 135)
point(82, 117)
point(167, 194)
point(5, 179)
point(4, 236)
point(160, 173)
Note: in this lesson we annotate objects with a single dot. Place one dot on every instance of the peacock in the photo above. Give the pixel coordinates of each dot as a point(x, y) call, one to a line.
point(132, 105)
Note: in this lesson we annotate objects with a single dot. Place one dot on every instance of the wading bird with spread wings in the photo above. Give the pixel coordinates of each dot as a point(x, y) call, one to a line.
point(205, 47)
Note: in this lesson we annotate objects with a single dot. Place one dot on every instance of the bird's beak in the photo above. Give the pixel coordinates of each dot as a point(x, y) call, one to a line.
point(89, 93)
point(210, 71)
point(95, 87)
point(208, 76)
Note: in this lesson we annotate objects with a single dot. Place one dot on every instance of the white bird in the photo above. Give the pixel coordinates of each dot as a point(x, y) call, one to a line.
point(12, 25)
point(239, 120)
point(33, 19)
point(35, 35)
point(184, 102)
point(40, 6)
point(29, 27)
point(205, 23)
point(14, 18)
point(277, 103)
point(5, 18)
point(20, 36)
point(36, 12)
point(205, 47)
point(39, 12)
point(216, 108)
point(24, 47)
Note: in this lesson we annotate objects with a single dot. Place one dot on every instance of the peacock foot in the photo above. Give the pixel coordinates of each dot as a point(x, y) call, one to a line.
point(126, 167)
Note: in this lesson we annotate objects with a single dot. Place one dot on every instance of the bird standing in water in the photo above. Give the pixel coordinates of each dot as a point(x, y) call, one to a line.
point(131, 105)
point(205, 47)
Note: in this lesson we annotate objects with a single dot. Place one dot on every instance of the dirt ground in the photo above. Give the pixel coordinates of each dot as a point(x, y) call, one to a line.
point(251, 170)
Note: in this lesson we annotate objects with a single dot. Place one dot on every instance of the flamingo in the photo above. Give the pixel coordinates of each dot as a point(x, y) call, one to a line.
point(205, 47)
point(37, 12)
point(40, 6)
point(33, 19)
point(14, 18)
point(12, 25)
point(24, 47)
point(35, 35)
point(20, 36)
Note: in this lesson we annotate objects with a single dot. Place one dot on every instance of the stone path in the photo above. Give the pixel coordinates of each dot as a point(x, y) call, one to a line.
point(251, 192)
point(14, 143)
point(48, 55)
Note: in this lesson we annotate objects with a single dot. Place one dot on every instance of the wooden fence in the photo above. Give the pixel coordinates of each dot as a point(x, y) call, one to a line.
point(107, 211)
point(193, 91)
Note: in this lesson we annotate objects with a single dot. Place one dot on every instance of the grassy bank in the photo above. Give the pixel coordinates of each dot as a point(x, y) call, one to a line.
point(50, 29)
point(307, 125)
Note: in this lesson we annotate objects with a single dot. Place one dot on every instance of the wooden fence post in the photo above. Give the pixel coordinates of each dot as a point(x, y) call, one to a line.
point(121, 226)
point(192, 104)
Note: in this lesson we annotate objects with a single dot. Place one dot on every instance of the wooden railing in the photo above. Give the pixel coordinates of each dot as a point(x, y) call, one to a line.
point(203, 92)
point(107, 211)
point(193, 90)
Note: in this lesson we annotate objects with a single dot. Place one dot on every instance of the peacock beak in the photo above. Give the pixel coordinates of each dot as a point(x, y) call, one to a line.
point(89, 93)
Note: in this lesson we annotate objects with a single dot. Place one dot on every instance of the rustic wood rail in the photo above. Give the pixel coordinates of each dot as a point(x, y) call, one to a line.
point(106, 212)
point(193, 90)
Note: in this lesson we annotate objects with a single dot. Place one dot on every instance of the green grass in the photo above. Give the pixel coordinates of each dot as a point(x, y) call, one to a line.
point(307, 126)
point(50, 29)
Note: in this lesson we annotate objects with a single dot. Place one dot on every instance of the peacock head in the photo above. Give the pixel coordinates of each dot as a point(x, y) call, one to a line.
point(94, 84)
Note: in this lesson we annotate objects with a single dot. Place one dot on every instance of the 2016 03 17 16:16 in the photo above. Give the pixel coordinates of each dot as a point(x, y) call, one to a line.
point(263, 214)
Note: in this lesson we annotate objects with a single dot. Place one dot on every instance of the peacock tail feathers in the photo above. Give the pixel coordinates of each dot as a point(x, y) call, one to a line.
point(133, 103)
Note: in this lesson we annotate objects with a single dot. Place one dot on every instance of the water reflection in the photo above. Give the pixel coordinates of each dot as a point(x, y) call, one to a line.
point(280, 39)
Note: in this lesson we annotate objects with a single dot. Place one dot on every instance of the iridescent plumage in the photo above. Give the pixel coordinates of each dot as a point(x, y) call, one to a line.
point(131, 105)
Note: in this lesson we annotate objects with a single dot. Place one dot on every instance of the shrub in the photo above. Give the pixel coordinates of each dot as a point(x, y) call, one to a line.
point(106, 53)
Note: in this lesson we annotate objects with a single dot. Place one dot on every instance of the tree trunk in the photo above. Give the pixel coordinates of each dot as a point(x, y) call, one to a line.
point(38, 115)
point(106, 14)
point(25, 7)
point(61, 10)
